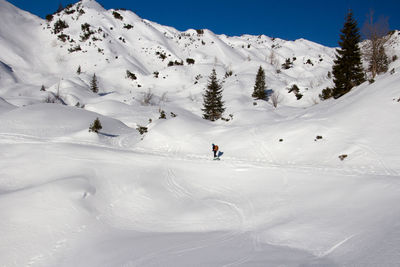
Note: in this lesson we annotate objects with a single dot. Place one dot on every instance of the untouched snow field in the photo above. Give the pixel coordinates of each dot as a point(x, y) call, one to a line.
point(279, 196)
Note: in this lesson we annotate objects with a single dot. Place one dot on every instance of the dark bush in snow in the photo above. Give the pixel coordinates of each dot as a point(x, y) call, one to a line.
point(63, 37)
point(142, 130)
point(49, 17)
point(95, 126)
point(190, 61)
point(74, 49)
point(295, 89)
point(326, 93)
point(130, 75)
point(309, 62)
point(162, 114)
point(59, 25)
point(117, 15)
point(128, 26)
point(288, 64)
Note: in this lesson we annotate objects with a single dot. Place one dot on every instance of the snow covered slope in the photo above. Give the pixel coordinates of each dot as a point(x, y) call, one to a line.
point(110, 42)
point(307, 183)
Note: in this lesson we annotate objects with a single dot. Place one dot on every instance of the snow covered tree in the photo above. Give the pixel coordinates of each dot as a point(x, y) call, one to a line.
point(213, 104)
point(259, 87)
point(95, 126)
point(347, 68)
point(93, 84)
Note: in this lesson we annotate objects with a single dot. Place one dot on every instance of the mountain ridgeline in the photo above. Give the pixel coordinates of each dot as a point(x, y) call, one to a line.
point(132, 56)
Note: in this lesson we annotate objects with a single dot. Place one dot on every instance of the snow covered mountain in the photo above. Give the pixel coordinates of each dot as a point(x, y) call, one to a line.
point(307, 183)
point(110, 42)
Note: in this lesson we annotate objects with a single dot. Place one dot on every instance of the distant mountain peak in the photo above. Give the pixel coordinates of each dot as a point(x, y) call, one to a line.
point(92, 4)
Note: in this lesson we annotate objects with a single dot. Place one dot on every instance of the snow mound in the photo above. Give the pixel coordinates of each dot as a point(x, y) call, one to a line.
point(6, 75)
point(52, 120)
point(5, 106)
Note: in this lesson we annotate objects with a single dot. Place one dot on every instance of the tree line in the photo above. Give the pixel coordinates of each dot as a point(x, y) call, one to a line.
point(347, 70)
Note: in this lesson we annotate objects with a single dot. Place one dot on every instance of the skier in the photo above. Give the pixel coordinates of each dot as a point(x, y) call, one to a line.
point(215, 150)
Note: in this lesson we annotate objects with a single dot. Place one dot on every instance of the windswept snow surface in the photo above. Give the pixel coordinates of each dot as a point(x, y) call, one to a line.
point(279, 196)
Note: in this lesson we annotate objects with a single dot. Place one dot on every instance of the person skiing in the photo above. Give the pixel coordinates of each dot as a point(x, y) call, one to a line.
point(215, 150)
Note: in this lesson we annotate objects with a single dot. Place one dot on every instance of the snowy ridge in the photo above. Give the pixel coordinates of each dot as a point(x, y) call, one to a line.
point(308, 183)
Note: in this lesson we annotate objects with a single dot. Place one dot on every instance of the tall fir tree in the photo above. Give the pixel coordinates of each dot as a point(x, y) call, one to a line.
point(213, 104)
point(347, 68)
point(93, 84)
point(259, 87)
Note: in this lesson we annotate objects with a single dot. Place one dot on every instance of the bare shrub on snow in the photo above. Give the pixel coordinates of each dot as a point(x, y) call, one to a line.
point(147, 97)
point(276, 98)
point(164, 98)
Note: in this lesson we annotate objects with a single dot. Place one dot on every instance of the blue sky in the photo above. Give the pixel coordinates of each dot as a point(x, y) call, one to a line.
point(316, 20)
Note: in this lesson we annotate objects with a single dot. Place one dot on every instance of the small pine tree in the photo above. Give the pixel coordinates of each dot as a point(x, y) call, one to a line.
point(95, 126)
point(93, 84)
point(79, 71)
point(42, 88)
point(213, 104)
point(130, 75)
point(259, 87)
point(347, 68)
point(326, 93)
point(162, 114)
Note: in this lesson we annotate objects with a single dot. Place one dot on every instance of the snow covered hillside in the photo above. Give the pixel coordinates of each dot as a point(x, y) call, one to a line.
point(307, 183)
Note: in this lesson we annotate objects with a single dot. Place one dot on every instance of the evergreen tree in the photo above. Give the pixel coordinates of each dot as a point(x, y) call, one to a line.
point(93, 84)
point(79, 71)
point(259, 87)
point(95, 126)
point(347, 68)
point(213, 104)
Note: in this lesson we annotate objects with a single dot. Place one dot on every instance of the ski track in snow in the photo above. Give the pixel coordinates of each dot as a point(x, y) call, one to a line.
point(87, 197)
point(241, 230)
point(8, 138)
point(329, 251)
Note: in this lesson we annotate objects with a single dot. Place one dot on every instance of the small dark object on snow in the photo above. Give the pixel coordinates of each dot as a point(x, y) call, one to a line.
point(342, 157)
point(142, 129)
point(95, 126)
point(318, 137)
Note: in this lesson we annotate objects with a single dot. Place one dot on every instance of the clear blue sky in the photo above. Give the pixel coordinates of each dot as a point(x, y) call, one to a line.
point(316, 20)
